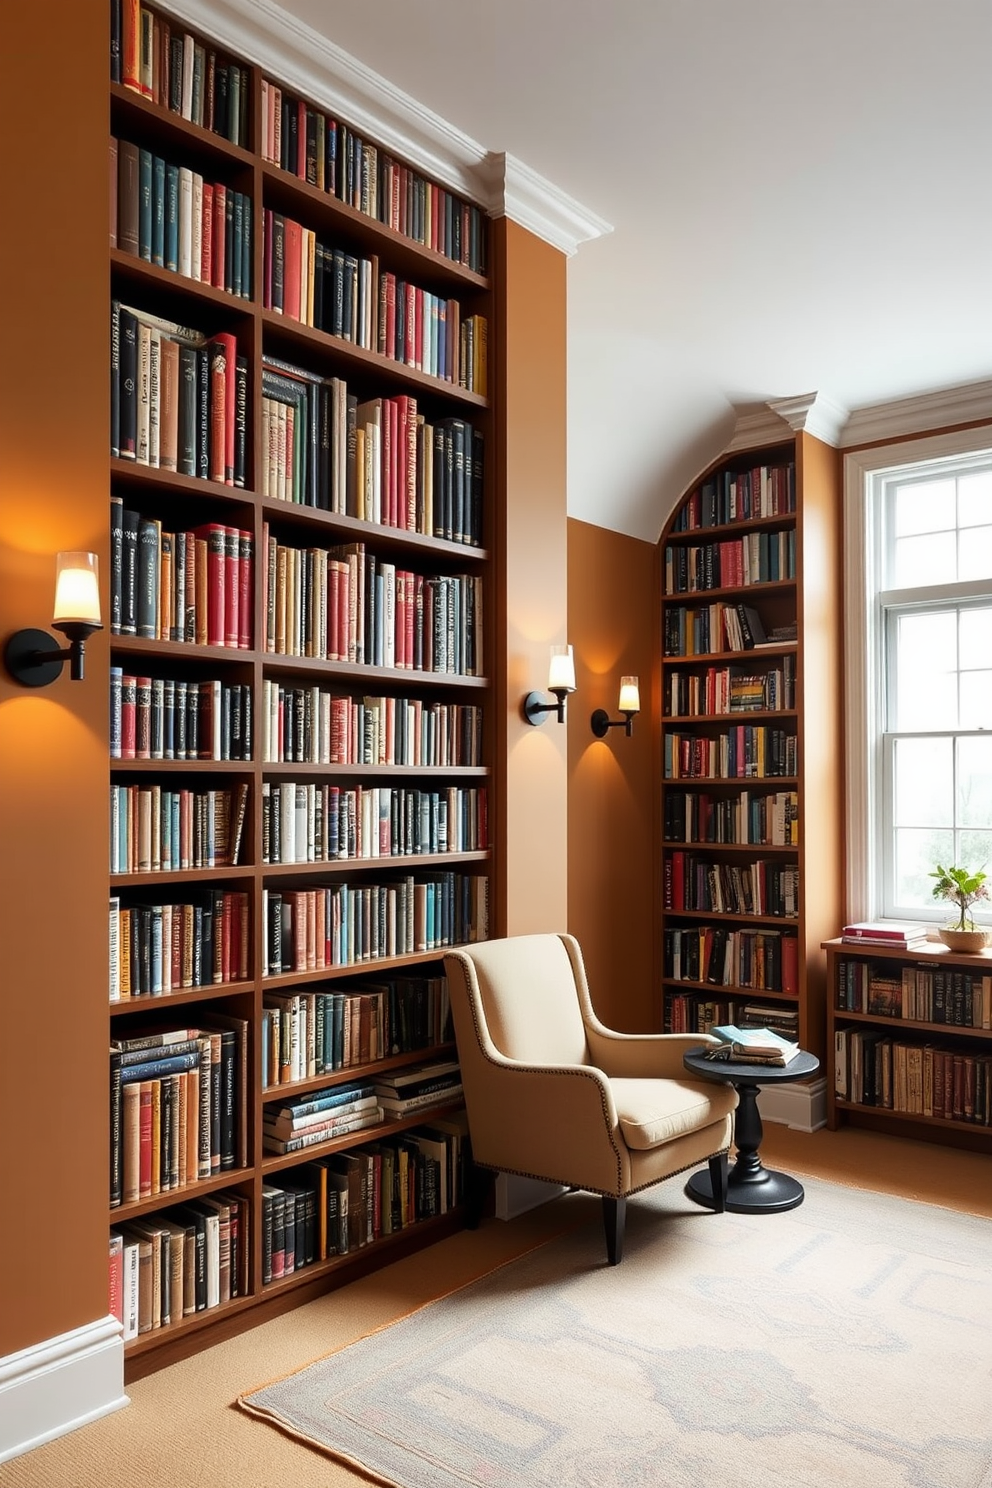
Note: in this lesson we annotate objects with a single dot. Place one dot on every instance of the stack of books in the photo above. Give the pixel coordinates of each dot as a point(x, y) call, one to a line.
point(752, 1046)
point(902, 937)
point(419, 1087)
point(320, 1116)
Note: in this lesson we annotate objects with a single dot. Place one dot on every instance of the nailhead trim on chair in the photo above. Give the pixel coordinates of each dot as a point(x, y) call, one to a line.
point(605, 1193)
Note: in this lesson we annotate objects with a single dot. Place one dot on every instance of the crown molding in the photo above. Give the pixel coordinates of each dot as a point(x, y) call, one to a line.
point(537, 204)
point(969, 403)
point(814, 414)
point(305, 60)
point(752, 430)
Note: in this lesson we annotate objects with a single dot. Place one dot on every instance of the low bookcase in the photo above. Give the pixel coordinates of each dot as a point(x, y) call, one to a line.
point(910, 1042)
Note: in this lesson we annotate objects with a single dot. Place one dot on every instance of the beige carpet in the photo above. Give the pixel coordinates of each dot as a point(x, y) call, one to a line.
point(182, 1430)
point(845, 1342)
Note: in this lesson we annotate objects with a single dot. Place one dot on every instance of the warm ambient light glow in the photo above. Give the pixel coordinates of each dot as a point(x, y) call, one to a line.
point(77, 590)
point(630, 703)
point(630, 696)
point(561, 671)
point(561, 681)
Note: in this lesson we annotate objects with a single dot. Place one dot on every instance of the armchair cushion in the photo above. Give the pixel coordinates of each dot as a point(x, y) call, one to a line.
point(652, 1112)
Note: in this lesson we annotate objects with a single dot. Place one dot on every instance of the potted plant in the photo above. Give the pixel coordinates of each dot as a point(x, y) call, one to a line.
point(963, 889)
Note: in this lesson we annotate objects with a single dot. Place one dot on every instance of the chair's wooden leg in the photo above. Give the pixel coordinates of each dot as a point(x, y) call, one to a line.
point(718, 1179)
point(614, 1219)
point(476, 1192)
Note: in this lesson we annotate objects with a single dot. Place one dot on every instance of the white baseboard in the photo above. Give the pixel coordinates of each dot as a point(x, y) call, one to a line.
point(515, 1195)
point(49, 1389)
point(801, 1104)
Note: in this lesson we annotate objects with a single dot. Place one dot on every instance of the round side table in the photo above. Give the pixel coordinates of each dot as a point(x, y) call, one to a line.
point(751, 1187)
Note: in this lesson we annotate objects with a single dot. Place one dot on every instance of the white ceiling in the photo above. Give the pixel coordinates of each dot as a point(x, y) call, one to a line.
point(799, 192)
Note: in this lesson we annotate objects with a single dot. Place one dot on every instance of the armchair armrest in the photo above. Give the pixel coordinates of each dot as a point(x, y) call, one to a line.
point(557, 1122)
point(643, 1055)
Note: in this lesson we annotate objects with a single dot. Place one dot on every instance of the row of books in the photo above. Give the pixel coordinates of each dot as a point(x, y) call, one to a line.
point(170, 1266)
point(312, 725)
point(195, 585)
point(746, 751)
point(307, 1034)
point(873, 1069)
point(170, 947)
point(170, 216)
point(346, 604)
point(177, 1108)
point(767, 960)
point(306, 822)
point(924, 994)
point(376, 459)
point(347, 924)
point(734, 563)
point(731, 690)
point(350, 297)
point(178, 397)
point(687, 1012)
point(157, 830)
point(739, 496)
point(169, 718)
point(764, 819)
point(758, 888)
point(351, 1199)
point(326, 153)
point(711, 629)
point(154, 57)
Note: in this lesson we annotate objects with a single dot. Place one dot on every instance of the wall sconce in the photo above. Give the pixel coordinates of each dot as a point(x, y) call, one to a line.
point(630, 703)
point(561, 681)
point(33, 657)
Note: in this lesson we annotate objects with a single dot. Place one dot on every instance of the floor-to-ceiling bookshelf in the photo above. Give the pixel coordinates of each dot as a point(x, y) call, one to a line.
point(750, 738)
point(266, 549)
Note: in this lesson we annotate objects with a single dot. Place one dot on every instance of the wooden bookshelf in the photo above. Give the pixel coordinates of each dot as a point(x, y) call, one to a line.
point(180, 502)
point(909, 1046)
point(750, 852)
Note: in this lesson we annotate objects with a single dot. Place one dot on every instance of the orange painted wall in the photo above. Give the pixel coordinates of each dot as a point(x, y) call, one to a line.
point(53, 742)
point(532, 578)
point(612, 619)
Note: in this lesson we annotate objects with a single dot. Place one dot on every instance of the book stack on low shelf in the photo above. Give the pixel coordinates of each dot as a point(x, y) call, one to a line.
point(748, 852)
point(300, 738)
point(910, 1027)
point(411, 1091)
point(321, 1116)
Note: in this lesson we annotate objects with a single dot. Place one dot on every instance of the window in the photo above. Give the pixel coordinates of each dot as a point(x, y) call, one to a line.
point(920, 667)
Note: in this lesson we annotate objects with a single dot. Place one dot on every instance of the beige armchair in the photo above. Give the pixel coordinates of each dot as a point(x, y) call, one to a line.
point(551, 1093)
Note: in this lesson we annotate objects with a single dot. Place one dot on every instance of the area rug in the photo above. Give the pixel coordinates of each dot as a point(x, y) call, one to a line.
point(847, 1342)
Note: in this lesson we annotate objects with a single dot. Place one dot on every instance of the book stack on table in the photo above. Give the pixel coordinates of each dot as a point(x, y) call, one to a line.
point(752, 1046)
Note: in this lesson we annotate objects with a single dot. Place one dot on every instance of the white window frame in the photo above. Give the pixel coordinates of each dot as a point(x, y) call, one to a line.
point(864, 640)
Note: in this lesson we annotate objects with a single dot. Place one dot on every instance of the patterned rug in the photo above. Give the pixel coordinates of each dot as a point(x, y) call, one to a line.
point(847, 1342)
